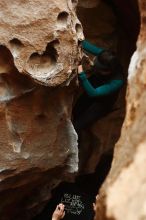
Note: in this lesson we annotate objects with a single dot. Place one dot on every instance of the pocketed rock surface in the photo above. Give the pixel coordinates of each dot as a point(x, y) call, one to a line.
point(39, 54)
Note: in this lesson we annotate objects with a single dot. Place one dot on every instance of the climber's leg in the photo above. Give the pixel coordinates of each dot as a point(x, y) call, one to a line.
point(81, 105)
point(91, 115)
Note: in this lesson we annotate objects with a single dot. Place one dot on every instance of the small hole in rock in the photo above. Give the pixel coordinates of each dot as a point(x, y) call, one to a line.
point(79, 31)
point(16, 46)
point(16, 42)
point(55, 43)
point(6, 60)
point(79, 43)
point(45, 63)
point(41, 117)
point(62, 19)
point(78, 28)
point(74, 2)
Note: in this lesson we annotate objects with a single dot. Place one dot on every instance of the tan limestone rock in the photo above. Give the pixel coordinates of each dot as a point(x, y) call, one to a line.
point(37, 139)
point(38, 143)
point(126, 196)
point(125, 188)
point(42, 37)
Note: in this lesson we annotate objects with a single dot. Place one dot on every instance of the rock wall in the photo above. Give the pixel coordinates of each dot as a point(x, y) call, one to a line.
point(42, 37)
point(125, 188)
point(38, 145)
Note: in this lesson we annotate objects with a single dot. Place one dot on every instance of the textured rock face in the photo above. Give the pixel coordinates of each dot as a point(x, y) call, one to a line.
point(42, 37)
point(38, 144)
point(127, 193)
point(37, 139)
point(125, 187)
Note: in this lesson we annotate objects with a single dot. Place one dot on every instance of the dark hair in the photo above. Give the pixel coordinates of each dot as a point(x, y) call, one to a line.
point(108, 57)
point(106, 60)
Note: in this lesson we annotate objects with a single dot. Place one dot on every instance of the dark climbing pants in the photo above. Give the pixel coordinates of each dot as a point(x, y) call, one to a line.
point(88, 110)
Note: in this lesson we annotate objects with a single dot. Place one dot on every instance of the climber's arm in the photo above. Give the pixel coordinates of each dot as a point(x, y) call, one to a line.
point(106, 89)
point(91, 48)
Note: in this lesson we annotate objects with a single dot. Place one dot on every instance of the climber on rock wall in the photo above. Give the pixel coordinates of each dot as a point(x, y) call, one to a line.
point(101, 89)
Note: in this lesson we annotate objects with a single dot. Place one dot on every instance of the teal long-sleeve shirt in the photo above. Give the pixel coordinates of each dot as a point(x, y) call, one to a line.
point(106, 89)
point(90, 48)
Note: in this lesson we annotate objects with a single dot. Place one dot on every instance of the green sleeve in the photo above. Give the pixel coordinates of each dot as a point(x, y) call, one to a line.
point(91, 48)
point(106, 89)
